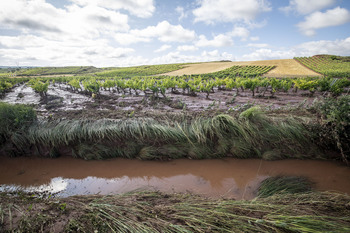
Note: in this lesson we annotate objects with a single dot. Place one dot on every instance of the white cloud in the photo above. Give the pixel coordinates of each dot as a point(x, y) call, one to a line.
point(268, 54)
point(181, 12)
point(34, 50)
point(338, 47)
point(316, 20)
point(220, 40)
point(139, 8)
point(211, 11)
point(254, 38)
point(163, 48)
point(213, 53)
point(187, 48)
point(165, 32)
point(239, 32)
point(128, 38)
point(307, 6)
point(177, 57)
point(37, 16)
point(258, 45)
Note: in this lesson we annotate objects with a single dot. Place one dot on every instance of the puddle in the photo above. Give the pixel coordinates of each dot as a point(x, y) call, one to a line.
point(58, 98)
point(70, 100)
point(22, 95)
point(232, 178)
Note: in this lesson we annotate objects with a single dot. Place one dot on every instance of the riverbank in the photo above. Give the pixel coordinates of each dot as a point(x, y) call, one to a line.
point(322, 133)
point(158, 212)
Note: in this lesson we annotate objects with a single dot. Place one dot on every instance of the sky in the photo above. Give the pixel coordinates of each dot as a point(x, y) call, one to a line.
point(119, 33)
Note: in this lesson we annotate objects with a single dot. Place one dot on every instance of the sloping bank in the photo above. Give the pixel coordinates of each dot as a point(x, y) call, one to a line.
point(285, 205)
point(250, 134)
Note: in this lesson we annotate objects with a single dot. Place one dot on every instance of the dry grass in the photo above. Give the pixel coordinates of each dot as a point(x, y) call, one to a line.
point(284, 68)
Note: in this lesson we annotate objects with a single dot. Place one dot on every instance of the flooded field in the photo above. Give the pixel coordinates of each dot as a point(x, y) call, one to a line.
point(234, 178)
point(62, 101)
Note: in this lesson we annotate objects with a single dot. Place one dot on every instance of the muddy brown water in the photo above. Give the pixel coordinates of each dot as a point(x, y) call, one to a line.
point(228, 177)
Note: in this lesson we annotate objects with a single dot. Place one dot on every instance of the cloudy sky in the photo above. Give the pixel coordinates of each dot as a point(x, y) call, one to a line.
point(135, 32)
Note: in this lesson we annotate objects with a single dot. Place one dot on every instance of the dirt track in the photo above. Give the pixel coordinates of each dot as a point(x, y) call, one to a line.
point(284, 68)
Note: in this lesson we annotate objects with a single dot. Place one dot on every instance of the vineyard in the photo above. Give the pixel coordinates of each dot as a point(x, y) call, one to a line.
point(90, 70)
point(187, 85)
point(328, 65)
point(127, 96)
point(140, 70)
point(138, 113)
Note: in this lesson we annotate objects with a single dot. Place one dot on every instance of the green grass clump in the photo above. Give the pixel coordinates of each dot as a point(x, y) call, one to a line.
point(14, 118)
point(283, 185)
point(158, 212)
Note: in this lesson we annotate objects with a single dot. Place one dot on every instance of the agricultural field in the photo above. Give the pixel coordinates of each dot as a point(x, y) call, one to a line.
point(171, 118)
point(283, 68)
point(327, 65)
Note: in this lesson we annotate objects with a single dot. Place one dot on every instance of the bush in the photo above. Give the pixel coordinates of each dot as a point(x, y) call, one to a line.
point(335, 123)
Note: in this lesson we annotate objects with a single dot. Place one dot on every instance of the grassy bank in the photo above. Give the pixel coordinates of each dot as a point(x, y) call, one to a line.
point(249, 135)
point(252, 133)
point(157, 212)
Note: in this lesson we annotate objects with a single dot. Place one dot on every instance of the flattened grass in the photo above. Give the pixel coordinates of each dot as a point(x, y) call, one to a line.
point(250, 135)
point(157, 212)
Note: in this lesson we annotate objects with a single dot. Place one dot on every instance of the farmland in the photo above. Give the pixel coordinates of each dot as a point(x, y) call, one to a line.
point(283, 68)
point(265, 110)
point(328, 65)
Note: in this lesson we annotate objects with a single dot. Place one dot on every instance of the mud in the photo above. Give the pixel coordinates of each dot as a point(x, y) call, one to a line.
point(62, 102)
point(233, 178)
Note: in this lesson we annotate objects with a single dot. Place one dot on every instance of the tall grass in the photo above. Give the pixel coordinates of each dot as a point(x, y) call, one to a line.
point(14, 118)
point(251, 135)
point(283, 185)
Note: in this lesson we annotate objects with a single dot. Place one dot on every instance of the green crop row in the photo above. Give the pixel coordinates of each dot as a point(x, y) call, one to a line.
point(328, 65)
point(6, 83)
point(39, 86)
point(240, 71)
point(192, 85)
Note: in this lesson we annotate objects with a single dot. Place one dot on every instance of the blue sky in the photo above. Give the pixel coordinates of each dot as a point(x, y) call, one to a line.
point(136, 32)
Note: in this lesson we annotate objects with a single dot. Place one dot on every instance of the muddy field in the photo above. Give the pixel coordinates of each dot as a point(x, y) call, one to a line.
point(62, 102)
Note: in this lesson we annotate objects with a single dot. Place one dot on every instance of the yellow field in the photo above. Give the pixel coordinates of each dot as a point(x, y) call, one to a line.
point(284, 68)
